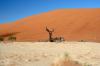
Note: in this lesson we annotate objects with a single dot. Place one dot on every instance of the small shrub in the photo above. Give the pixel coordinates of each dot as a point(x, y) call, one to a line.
point(65, 61)
point(82, 41)
point(1, 39)
point(12, 38)
point(77, 62)
point(66, 55)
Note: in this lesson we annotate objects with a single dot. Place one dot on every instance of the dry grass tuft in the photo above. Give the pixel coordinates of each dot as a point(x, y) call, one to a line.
point(65, 60)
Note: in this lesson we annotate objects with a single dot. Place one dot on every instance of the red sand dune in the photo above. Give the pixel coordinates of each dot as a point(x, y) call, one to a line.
point(72, 24)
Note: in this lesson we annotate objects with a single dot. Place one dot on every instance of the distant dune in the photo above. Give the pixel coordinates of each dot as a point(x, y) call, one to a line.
point(72, 24)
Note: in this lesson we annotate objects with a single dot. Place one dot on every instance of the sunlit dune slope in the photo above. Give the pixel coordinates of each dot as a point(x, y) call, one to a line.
point(72, 24)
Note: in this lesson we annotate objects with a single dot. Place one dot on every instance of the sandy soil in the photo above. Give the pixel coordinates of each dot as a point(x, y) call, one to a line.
point(46, 53)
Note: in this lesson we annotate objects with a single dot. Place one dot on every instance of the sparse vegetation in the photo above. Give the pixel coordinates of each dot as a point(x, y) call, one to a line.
point(82, 40)
point(77, 62)
point(65, 60)
point(66, 55)
point(86, 64)
point(52, 39)
point(58, 39)
point(11, 38)
point(1, 39)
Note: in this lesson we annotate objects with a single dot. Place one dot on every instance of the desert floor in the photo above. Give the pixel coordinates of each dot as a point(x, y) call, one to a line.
point(46, 53)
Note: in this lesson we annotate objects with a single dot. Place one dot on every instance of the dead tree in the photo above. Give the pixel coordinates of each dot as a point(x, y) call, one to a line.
point(50, 34)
